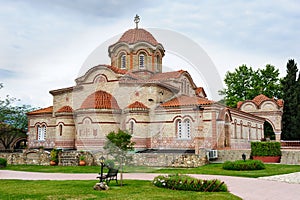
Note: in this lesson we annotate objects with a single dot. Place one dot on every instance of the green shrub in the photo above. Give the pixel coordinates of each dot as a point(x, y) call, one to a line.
point(241, 165)
point(187, 183)
point(265, 149)
point(3, 162)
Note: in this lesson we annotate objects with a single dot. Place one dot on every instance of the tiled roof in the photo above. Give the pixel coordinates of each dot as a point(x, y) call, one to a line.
point(200, 90)
point(116, 69)
point(184, 100)
point(65, 109)
point(280, 102)
point(167, 75)
point(100, 100)
point(138, 35)
point(137, 105)
point(261, 98)
point(41, 111)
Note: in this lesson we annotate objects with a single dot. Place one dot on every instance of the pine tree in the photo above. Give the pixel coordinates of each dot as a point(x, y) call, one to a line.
point(291, 97)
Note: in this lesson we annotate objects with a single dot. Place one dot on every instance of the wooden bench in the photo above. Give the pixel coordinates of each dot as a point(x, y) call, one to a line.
point(112, 174)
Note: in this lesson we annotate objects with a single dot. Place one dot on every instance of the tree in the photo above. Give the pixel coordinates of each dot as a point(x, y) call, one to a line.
point(118, 145)
point(13, 120)
point(245, 84)
point(291, 97)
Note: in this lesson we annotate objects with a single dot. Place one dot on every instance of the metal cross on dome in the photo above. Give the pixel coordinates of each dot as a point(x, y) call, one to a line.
point(136, 20)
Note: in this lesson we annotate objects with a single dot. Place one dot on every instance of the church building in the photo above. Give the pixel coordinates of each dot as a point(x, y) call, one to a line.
point(161, 110)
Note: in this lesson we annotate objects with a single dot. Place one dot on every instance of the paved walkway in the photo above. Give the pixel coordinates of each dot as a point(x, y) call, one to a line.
point(247, 188)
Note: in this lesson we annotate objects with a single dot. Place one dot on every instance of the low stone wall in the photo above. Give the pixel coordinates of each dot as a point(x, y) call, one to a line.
point(28, 157)
point(41, 157)
point(232, 155)
point(168, 160)
point(289, 156)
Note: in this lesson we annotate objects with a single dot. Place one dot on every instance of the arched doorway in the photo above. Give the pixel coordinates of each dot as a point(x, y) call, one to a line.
point(269, 131)
point(227, 131)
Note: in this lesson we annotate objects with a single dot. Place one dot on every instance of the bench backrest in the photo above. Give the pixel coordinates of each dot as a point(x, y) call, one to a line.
point(112, 172)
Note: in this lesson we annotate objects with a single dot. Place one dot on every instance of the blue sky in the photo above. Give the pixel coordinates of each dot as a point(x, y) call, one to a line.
point(44, 43)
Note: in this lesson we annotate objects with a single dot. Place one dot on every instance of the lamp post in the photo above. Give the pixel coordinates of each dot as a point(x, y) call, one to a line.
point(101, 159)
point(244, 157)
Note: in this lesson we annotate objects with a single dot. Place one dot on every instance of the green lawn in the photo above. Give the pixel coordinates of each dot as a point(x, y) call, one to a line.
point(216, 169)
point(132, 189)
point(213, 169)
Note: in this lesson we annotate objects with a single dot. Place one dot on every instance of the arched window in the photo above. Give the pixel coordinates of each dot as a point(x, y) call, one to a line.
point(60, 127)
point(256, 131)
point(157, 63)
point(142, 61)
point(179, 129)
point(183, 129)
point(249, 131)
point(41, 132)
point(131, 127)
point(123, 61)
point(235, 134)
point(241, 129)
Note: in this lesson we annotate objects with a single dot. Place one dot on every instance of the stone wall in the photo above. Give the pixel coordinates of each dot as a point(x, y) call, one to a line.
point(28, 157)
point(289, 156)
point(168, 160)
point(41, 157)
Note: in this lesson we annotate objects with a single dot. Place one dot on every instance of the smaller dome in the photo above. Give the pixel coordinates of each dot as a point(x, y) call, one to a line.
point(138, 35)
point(65, 109)
point(137, 105)
point(100, 100)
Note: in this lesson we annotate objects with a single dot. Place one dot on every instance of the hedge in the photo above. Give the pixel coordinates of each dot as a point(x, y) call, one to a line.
point(265, 149)
point(3, 162)
point(241, 165)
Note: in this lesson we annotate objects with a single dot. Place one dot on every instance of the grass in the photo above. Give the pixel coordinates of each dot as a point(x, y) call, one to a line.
point(213, 169)
point(131, 190)
point(216, 169)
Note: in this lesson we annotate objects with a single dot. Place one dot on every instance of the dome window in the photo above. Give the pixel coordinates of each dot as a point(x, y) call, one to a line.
point(141, 61)
point(123, 61)
point(157, 63)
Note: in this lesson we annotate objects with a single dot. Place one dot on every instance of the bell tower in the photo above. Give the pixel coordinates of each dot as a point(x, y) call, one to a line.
point(137, 49)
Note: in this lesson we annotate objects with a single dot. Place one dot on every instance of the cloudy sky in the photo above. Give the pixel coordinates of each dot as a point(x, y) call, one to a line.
point(44, 43)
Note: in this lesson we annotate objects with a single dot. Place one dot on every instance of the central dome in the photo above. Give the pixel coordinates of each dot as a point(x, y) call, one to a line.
point(136, 35)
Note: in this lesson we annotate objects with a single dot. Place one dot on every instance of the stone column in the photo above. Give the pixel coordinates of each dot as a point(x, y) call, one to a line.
point(278, 136)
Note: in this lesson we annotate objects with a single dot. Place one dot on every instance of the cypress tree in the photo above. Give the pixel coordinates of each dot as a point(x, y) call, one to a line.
point(291, 95)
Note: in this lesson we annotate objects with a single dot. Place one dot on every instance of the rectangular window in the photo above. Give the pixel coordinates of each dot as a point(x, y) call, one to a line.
point(41, 133)
point(184, 129)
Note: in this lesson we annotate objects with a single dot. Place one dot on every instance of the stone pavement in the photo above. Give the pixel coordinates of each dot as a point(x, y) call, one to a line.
point(282, 187)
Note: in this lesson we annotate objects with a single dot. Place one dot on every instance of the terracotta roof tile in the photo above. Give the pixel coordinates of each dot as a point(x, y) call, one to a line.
point(184, 100)
point(167, 75)
point(280, 102)
point(65, 109)
point(100, 100)
point(200, 90)
point(137, 105)
point(116, 69)
point(259, 99)
point(138, 35)
point(41, 111)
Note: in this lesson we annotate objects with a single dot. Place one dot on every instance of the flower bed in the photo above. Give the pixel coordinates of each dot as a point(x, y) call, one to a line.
point(187, 183)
